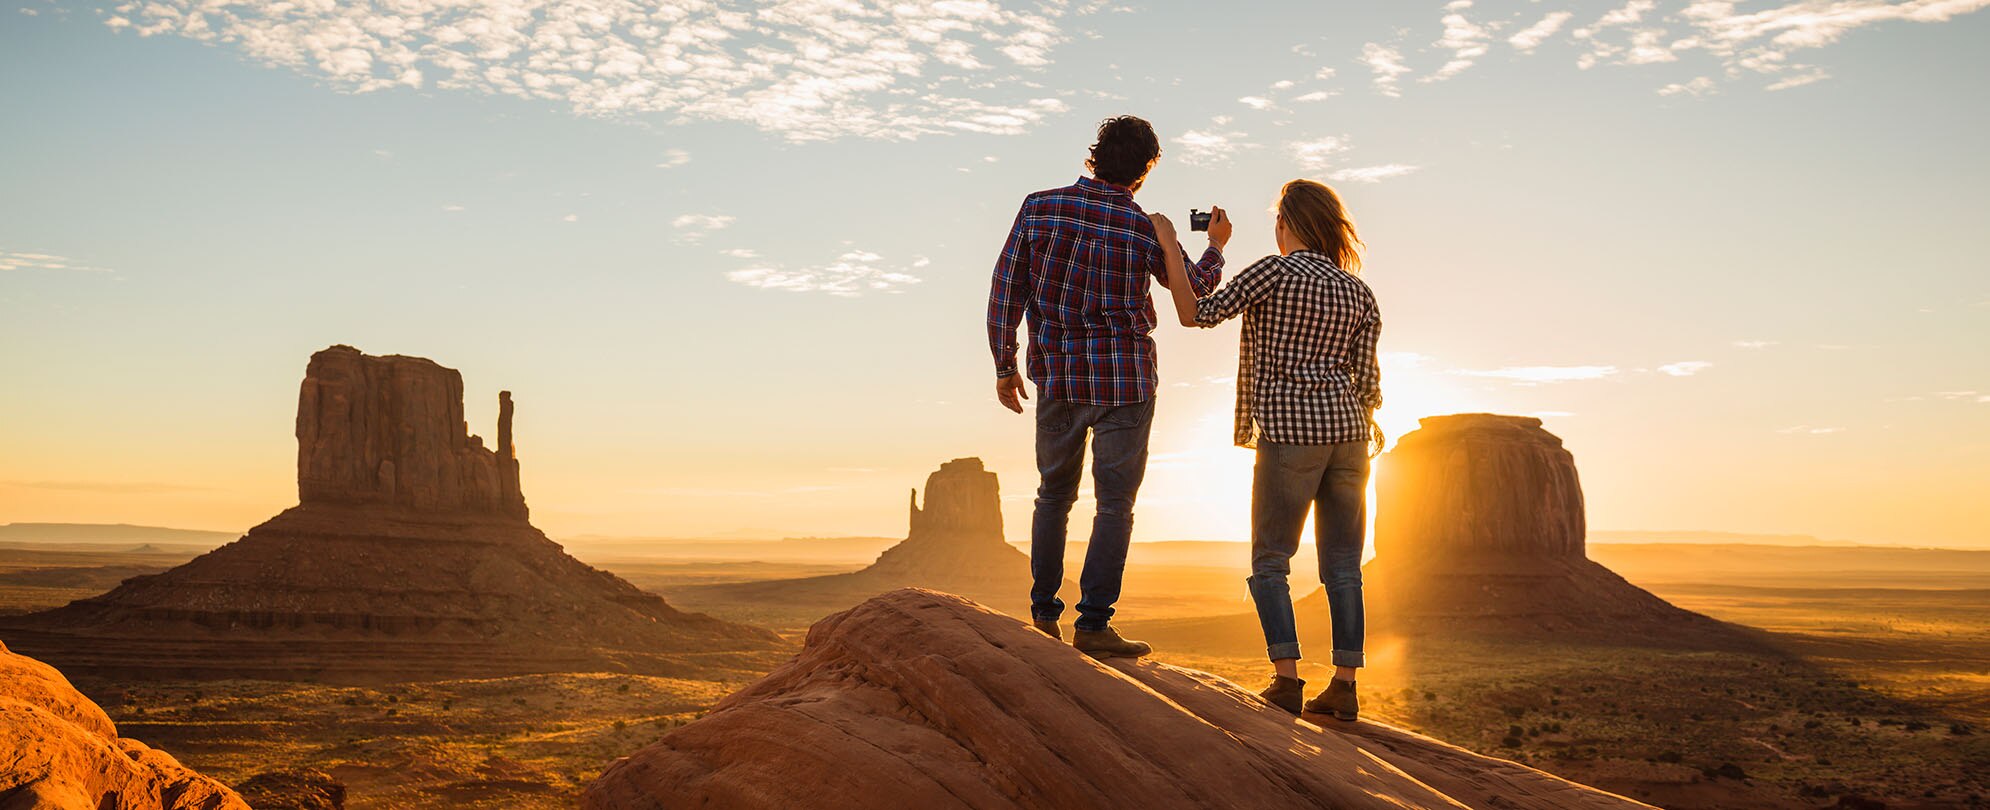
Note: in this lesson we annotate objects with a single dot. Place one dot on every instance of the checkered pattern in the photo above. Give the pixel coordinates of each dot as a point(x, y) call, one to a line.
point(1306, 367)
point(1078, 262)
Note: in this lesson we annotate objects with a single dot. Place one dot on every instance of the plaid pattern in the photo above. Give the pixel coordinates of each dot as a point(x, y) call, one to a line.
point(1078, 262)
point(1306, 367)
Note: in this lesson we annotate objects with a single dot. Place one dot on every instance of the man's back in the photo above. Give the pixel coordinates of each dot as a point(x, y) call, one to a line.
point(1078, 262)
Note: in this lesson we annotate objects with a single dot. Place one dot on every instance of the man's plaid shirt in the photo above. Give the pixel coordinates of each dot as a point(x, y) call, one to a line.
point(1078, 262)
point(1306, 366)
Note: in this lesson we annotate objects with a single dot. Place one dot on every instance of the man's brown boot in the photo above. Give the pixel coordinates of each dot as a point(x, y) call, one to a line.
point(1107, 644)
point(1048, 628)
point(1338, 701)
point(1285, 693)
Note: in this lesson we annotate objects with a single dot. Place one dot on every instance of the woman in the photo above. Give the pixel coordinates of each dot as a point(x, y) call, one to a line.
point(1307, 388)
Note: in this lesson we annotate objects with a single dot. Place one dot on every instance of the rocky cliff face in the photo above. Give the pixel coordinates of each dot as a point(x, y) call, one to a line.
point(408, 556)
point(60, 751)
point(1480, 520)
point(922, 699)
point(389, 431)
point(1479, 484)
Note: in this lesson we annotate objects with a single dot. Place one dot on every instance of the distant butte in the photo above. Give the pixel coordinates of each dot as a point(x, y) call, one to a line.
point(1480, 520)
point(953, 543)
point(408, 556)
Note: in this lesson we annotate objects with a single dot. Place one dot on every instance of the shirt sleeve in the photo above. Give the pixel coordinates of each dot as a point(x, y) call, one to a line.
point(1204, 275)
point(1248, 287)
point(1367, 371)
point(1007, 295)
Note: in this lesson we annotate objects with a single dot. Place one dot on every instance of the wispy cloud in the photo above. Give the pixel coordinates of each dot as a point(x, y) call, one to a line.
point(1756, 344)
point(806, 69)
point(1372, 174)
point(673, 158)
point(1532, 36)
point(12, 260)
point(693, 228)
point(850, 275)
point(1466, 40)
point(1685, 368)
point(1315, 155)
point(1211, 146)
point(1532, 375)
point(1699, 86)
point(1387, 65)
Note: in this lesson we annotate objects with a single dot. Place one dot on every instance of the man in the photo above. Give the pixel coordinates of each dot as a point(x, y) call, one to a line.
point(1078, 262)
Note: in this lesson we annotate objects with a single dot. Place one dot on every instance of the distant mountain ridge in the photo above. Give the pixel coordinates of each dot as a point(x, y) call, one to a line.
point(120, 533)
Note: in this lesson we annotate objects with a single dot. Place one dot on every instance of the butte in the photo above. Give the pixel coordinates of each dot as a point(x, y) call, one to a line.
point(954, 543)
point(409, 556)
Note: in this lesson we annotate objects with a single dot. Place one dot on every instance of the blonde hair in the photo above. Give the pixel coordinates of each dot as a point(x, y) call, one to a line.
point(1314, 215)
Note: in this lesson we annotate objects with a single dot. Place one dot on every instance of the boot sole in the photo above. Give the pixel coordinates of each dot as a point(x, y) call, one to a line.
point(1343, 718)
point(1101, 655)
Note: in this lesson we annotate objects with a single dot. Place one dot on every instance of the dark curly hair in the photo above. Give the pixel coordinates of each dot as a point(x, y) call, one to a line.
point(1125, 150)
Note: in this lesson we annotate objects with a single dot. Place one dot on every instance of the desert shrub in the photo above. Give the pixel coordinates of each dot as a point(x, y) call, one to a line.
point(1726, 770)
point(1670, 756)
point(621, 726)
point(1510, 741)
point(1516, 711)
point(1960, 729)
point(1916, 725)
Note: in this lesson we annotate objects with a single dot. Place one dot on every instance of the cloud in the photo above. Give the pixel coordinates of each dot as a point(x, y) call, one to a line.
point(1387, 65)
point(1213, 146)
point(1256, 102)
point(850, 275)
point(804, 69)
point(1315, 155)
point(13, 260)
point(1532, 36)
point(1685, 368)
point(1316, 95)
point(741, 253)
point(1756, 344)
point(1372, 174)
point(693, 228)
point(1531, 375)
point(570, 218)
point(1697, 87)
point(452, 208)
point(673, 158)
point(1465, 39)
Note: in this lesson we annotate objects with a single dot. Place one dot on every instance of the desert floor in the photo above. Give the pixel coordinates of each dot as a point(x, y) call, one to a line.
point(1873, 683)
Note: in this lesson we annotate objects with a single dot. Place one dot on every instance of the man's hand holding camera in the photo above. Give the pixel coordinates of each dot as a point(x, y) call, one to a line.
point(1216, 222)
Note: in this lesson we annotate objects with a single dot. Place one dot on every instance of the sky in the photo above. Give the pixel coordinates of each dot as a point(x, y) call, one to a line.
point(733, 258)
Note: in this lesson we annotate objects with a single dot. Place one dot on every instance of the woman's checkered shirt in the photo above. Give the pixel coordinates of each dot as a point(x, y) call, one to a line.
point(1306, 366)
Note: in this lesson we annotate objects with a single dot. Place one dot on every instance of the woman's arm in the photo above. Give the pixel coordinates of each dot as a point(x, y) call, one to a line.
point(1178, 283)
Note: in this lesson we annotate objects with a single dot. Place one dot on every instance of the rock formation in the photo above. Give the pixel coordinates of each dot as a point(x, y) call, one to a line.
point(1480, 516)
point(408, 556)
point(954, 543)
point(923, 699)
point(60, 751)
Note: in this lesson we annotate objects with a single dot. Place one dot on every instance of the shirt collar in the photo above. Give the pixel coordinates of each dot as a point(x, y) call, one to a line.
point(1102, 186)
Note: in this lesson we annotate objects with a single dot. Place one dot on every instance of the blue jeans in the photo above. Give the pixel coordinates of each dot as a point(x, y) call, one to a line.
point(1119, 462)
point(1332, 480)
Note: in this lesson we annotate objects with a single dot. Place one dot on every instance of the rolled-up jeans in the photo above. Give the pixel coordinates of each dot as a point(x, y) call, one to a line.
point(1119, 462)
point(1331, 480)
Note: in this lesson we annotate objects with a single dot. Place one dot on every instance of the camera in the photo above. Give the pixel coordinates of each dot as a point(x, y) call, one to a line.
point(1198, 220)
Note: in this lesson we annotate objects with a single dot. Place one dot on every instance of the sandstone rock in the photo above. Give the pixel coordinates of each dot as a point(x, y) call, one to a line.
point(390, 430)
point(408, 557)
point(1479, 483)
point(1480, 516)
point(922, 699)
point(60, 751)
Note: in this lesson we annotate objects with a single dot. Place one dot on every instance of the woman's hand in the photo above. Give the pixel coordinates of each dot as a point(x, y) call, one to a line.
point(1164, 230)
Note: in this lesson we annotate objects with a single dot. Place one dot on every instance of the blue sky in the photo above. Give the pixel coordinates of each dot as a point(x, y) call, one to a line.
point(733, 258)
